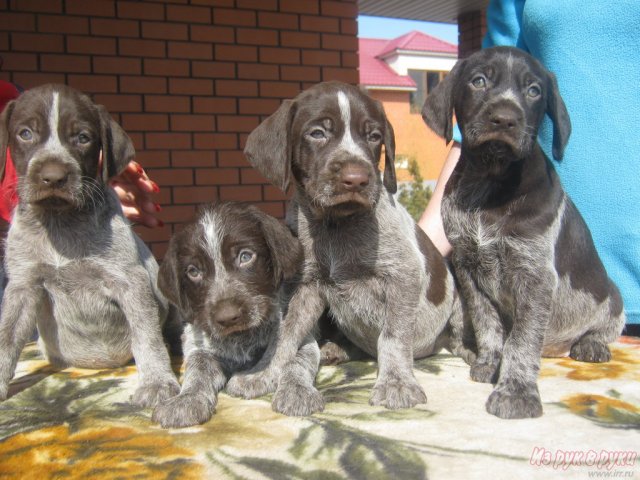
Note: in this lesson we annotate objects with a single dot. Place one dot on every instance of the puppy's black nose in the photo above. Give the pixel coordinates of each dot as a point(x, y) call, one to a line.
point(53, 175)
point(503, 119)
point(227, 314)
point(354, 177)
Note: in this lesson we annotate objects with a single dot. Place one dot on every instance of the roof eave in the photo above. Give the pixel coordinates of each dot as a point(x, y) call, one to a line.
point(389, 87)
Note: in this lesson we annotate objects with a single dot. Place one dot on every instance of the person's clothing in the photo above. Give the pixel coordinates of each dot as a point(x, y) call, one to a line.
point(9, 179)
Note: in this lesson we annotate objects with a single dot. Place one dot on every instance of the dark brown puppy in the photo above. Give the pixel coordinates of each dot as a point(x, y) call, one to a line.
point(227, 273)
point(524, 258)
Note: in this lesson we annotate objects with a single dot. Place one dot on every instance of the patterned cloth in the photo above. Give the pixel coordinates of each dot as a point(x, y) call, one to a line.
point(77, 423)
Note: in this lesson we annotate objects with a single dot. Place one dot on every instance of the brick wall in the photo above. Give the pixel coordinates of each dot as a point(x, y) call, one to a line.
point(187, 79)
point(471, 29)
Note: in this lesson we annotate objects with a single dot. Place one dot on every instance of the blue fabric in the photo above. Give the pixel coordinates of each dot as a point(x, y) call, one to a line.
point(592, 47)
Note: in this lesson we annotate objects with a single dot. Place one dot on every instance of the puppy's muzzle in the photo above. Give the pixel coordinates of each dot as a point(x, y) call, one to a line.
point(354, 178)
point(228, 317)
point(51, 183)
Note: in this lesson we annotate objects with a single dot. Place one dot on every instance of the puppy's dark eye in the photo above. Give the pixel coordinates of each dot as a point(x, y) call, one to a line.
point(375, 137)
point(83, 138)
point(479, 82)
point(318, 134)
point(193, 273)
point(245, 258)
point(25, 134)
point(534, 91)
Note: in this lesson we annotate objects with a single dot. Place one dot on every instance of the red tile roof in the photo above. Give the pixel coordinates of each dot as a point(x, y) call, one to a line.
point(375, 72)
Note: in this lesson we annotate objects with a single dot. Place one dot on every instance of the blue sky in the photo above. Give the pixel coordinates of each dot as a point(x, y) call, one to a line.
point(380, 27)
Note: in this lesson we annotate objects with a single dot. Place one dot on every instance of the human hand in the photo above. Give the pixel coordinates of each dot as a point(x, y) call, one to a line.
point(134, 189)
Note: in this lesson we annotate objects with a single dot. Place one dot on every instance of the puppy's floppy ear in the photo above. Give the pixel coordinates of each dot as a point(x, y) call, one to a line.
point(168, 276)
point(558, 113)
point(286, 251)
point(268, 147)
point(389, 180)
point(437, 111)
point(5, 116)
point(117, 147)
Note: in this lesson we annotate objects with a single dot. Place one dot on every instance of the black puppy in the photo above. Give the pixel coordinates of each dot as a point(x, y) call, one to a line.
point(525, 260)
point(227, 273)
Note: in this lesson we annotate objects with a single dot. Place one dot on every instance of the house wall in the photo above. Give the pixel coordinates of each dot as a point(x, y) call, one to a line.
point(413, 137)
point(187, 79)
point(402, 63)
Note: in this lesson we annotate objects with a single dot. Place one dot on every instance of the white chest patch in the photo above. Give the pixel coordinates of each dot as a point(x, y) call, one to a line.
point(347, 143)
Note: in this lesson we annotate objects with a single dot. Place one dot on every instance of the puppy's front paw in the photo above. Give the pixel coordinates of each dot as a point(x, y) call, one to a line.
point(297, 400)
point(515, 402)
point(332, 354)
point(484, 372)
point(588, 349)
point(397, 393)
point(184, 410)
point(4, 390)
point(252, 385)
point(152, 393)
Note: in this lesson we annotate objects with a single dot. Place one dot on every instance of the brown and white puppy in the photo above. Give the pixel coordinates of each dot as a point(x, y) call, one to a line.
point(524, 258)
point(75, 268)
point(386, 286)
point(228, 273)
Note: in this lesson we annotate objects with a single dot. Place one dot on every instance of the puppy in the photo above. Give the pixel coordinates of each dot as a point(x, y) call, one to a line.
point(524, 258)
point(386, 286)
point(75, 268)
point(228, 272)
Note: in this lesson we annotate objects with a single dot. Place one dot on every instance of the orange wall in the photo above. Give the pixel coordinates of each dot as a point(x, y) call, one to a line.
point(413, 137)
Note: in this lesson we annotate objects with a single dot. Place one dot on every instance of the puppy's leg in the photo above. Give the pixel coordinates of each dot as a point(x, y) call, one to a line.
point(20, 307)
point(296, 395)
point(516, 393)
point(157, 381)
point(204, 377)
point(487, 326)
point(305, 308)
point(335, 347)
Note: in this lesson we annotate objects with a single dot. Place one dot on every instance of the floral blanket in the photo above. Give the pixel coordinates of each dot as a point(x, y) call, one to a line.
point(76, 423)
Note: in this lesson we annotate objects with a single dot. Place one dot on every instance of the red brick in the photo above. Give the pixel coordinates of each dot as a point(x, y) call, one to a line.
point(172, 214)
point(256, 36)
point(91, 45)
point(25, 62)
point(274, 193)
point(280, 56)
point(320, 57)
point(142, 84)
point(119, 102)
point(319, 24)
point(94, 83)
point(350, 59)
point(91, 9)
point(191, 158)
point(258, 106)
point(258, 4)
point(39, 6)
point(281, 21)
point(170, 141)
point(232, 158)
point(188, 14)
point(200, 51)
point(348, 75)
point(157, 159)
point(16, 22)
point(218, 141)
point(296, 6)
point(162, 67)
point(145, 122)
point(213, 69)
point(4, 41)
point(206, 33)
point(258, 71)
point(213, 3)
point(193, 123)
point(214, 105)
point(140, 10)
point(30, 80)
point(300, 39)
point(156, 234)
point(241, 18)
point(303, 74)
point(121, 65)
point(167, 103)
point(339, 9)
point(33, 42)
point(141, 48)
point(275, 209)
point(197, 195)
point(340, 42)
point(115, 28)
point(217, 176)
point(241, 193)
point(171, 176)
point(237, 123)
point(236, 53)
point(349, 26)
point(165, 31)
point(65, 63)
point(236, 88)
point(250, 176)
point(62, 24)
point(279, 89)
point(190, 86)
